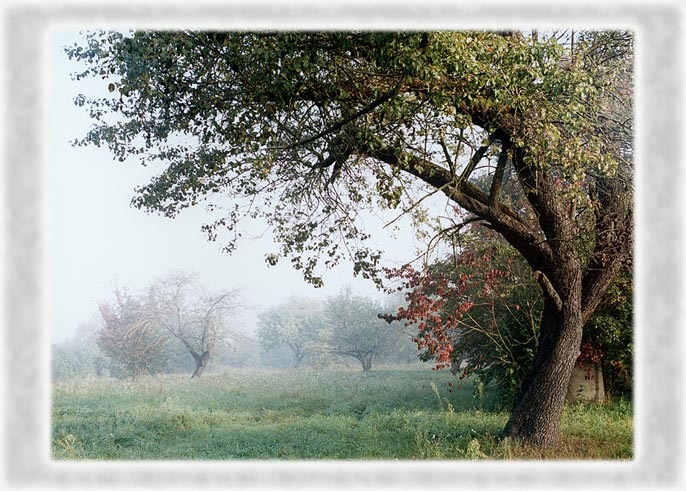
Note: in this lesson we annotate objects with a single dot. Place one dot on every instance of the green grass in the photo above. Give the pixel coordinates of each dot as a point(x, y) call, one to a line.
point(261, 414)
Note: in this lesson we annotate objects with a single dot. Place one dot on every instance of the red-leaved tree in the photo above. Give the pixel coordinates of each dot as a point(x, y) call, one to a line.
point(475, 311)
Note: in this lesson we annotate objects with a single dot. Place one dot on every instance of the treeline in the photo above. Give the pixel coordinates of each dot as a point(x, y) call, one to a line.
point(345, 326)
point(178, 326)
point(81, 356)
point(475, 311)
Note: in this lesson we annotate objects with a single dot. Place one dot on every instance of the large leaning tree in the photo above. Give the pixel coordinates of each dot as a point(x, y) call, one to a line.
point(308, 130)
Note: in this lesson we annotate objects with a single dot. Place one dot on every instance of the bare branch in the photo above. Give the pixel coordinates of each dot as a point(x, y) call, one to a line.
point(476, 158)
point(416, 204)
point(448, 158)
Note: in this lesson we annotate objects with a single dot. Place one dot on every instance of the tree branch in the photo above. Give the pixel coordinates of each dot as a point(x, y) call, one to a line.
point(507, 222)
point(453, 229)
point(337, 126)
point(448, 158)
point(476, 158)
point(614, 239)
point(548, 289)
point(497, 183)
point(415, 204)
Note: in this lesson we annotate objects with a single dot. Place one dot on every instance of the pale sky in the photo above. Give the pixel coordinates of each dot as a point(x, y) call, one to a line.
point(96, 239)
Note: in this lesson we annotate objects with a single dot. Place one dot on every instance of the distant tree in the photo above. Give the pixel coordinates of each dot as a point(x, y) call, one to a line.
point(201, 320)
point(64, 362)
point(243, 352)
point(404, 347)
point(131, 336)
point(297, 324)
point(355, 329)
point(177, 357)
point(79, 355)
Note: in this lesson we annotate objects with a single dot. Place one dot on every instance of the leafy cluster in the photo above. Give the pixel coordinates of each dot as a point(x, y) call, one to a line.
point(476, 312)
point(296, 128)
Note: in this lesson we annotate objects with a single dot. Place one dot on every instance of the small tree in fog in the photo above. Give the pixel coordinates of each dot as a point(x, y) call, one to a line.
point(296, 324)
point(130, 336)
point(199, 319)
point(79, 355)
point(356, 329)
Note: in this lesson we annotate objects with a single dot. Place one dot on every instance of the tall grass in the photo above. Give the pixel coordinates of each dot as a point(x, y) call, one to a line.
point(262, 414)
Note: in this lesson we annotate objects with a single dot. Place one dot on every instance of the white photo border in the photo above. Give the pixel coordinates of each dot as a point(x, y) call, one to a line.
point(659, 246)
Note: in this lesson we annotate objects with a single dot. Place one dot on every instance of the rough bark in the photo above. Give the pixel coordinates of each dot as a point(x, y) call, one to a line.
point(539, 402)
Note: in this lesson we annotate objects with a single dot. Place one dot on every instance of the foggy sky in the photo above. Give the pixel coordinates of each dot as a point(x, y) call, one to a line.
point(96, 239)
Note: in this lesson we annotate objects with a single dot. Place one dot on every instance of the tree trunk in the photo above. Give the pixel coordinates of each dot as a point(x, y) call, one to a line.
point(299, 357)
point(539, 402)
point(136, 372)
point(366, 361)
point(200, 363)
point(198, 371)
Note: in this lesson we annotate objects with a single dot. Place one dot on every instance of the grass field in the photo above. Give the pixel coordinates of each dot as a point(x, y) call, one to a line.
point(261, 414)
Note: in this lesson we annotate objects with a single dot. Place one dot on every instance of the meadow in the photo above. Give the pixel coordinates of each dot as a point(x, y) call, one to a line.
point(256, 414)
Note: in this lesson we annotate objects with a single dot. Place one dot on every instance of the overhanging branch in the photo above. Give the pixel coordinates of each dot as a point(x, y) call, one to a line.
point(504, 220)
point(337, 126)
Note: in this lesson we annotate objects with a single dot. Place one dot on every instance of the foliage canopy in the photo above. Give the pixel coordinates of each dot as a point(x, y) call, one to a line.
point(297, 128)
